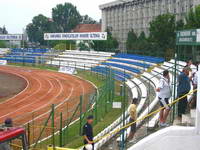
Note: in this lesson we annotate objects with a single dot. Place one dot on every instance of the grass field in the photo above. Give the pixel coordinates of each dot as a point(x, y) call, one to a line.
point(109, 117)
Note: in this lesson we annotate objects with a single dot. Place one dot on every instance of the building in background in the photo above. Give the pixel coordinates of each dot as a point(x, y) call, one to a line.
point(80, 28)
point(121, 16)
point(87, 28)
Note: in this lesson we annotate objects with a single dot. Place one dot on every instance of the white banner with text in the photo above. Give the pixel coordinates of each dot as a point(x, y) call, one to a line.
point(11, 37)
point(76, 36)
point(67, 70)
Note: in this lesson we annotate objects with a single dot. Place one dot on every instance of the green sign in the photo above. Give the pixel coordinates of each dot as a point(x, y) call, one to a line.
point(188, 37)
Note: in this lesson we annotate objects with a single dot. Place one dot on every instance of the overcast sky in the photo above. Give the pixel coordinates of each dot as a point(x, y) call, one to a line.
point(16, 14)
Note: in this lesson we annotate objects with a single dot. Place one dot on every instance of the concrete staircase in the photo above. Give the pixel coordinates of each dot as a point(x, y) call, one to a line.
point(187, 119)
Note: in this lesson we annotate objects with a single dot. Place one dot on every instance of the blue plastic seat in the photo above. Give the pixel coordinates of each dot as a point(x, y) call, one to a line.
point(116, 72)
point(140, 57)
point(119, 78)
point(131, 69)
point(131, 62)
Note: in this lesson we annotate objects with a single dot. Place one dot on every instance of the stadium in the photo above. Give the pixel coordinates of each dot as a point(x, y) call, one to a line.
point(51, 91)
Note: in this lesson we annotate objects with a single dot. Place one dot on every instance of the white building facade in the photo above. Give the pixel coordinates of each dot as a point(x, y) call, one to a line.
point(123, 15)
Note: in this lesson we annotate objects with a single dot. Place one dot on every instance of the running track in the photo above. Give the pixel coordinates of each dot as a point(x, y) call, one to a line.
point(44, 88)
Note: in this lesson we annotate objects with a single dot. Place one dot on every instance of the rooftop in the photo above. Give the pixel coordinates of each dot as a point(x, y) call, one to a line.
point(114, 3)
point(87, 28)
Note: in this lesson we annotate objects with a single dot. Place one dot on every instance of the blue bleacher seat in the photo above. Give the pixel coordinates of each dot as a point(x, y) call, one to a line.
point(131, 63)
point(140, 57)
point(107, 70)
point(119, 78)
point(131, 69)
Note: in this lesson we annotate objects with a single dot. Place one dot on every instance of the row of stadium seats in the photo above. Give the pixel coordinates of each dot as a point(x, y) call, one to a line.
point(29, 50)
point(124, 67)
point(142, 58)
point(117, 74)
point(19, 60)
point(154, 78)
point(130, 62)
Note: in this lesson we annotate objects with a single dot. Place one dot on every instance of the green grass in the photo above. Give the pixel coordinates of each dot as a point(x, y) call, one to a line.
point(32, 66)
point(71, 135)
point(98, 80)
point(110, 117)
point(105, 118)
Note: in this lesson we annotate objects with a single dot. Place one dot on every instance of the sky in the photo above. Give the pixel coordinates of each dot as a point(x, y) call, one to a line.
point(16, 14)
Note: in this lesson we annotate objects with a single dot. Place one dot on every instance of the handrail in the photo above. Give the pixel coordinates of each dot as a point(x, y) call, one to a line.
point(152, 77)
point(138, 120)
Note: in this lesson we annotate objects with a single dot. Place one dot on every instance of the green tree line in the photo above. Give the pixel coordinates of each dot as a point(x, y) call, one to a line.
point(162, 34)
point(65, 17)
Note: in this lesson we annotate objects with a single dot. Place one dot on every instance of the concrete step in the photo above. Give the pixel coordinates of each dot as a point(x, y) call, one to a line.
point(193, 113)
point(188, 120)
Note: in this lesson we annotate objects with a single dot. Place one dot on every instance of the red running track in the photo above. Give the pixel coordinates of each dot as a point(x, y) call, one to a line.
point(44, 88)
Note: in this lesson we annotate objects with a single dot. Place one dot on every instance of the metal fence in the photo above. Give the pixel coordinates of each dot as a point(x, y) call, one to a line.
point(61, 123)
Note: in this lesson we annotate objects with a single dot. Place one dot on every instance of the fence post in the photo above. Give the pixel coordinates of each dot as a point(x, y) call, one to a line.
point(174, 96)
point(61, 134)
point(123, 116)
point(81, 102)
point(52, 126)
point(110, 86)
point(28, 134)
point(96, 106)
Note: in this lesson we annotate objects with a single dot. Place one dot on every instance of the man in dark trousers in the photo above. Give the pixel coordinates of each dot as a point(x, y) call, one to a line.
point(182, 89)
point(88, 133)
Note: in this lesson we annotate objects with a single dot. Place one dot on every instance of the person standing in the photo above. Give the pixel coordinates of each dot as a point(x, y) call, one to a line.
point(88, 134)
point(8, 123)
point(183, 89)
point(164, 94)
point(194, 84)
point(133, 118)
point(189, 63)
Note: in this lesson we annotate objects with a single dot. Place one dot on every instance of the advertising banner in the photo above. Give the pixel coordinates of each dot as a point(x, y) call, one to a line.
point(76, 36)
point(11, 37)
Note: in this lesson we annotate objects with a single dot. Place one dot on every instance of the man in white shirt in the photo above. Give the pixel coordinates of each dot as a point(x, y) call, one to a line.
point(164, 94)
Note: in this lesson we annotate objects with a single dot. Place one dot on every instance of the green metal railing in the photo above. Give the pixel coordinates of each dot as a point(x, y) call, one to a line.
point(64, 122)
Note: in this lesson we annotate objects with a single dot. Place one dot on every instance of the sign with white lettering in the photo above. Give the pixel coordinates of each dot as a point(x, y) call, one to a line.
point(67, 70)
point(187, 37)
point(11, 37)
point(76, 36)
point(3, 62)
point(117, 105)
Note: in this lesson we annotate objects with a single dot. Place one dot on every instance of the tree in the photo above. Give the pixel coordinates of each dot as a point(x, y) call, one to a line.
point(162, 32)
point(193, 18)
point(180, 25)
point(131, 40)
point(3, 30)
point(142, 43)
point(111, 44)
point(2, 44)
point(40, 24)
point(88, 20)
point(66, 17)
point(83, 46)
point(65, 45)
